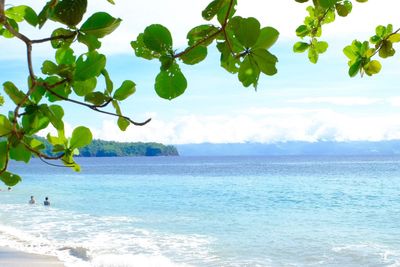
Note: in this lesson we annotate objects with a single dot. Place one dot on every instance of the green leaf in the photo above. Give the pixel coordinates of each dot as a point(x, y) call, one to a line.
point(394, 38)
point(386, 49)
point(70, 12)
point(328, 3)
point(355, 68)
point(300, 47)
point(5, 126)
point(373, 67)
point(65, 56)
point(265, 61)
point(380, 31)
point(127, 88)
point(170, 83)
point(34, 119)
point(166, 62)
point(100, 24)
point(228, 62)
point(195, 55)
point(212, 9)
point(20, 153)
point(247, 30)
point(6, 33)
point(123, 123)
point(321, 47)
point(20, 13)
point(89, 65)
point(249, 72)
point(96, 98)
point(3, 154)
point(108, 81)
point(10, 179)
point(90, 41)
point(157, 38)
point(313, 55)
point(62, 42)
point(268, 37)
point(62, 90)
point(141, 49)
point(34, 143)
point(82, 88)
point(49, 67)
point(15, 94)
point(55, 114)
point(81, 136)
point(344, 9)
point(302, 31)
point(200, 33)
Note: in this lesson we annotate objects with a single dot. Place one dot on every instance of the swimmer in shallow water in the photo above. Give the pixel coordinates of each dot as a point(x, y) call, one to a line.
point(46, 202)
point(32, 201)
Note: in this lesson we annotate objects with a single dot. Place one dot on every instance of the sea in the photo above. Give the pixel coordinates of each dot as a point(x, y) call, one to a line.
point(208, 211)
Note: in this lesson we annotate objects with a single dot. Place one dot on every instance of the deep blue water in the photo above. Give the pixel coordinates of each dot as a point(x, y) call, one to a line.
point(209, 211)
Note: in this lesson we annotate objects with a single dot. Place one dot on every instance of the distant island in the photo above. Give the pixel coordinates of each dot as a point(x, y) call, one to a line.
point(100, 148)
point(293, 148)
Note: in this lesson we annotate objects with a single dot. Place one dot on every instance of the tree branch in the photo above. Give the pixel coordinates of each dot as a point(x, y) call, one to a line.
point(202, 41)
point(2, 17)
point(64, 37)
point(96, 107)
point(41, 155)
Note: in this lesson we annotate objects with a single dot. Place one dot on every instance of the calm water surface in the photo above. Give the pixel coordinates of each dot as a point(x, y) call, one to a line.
point(209, 211)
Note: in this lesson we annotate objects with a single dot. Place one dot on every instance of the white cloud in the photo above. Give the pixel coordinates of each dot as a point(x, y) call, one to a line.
point(340, 101)
point(394, 101)
point(260, 125)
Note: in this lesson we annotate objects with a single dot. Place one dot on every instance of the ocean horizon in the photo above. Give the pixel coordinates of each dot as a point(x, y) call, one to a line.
point(208, 211)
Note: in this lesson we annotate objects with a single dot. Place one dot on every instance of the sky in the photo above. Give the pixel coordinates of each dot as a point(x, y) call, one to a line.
point(302, 102)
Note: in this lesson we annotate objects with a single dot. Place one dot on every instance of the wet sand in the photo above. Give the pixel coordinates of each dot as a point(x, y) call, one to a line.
point(13, 258)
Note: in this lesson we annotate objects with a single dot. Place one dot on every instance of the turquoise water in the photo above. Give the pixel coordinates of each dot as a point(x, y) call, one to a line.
point(209, 211)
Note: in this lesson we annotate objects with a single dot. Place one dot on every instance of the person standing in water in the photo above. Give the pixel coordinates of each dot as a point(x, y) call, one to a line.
point(46, 202)
point(32, 201)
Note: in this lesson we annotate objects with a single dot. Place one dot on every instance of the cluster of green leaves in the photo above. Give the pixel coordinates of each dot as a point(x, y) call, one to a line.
point(361, 54)
point(242, 42)
point(69, 77)
point(320, 13)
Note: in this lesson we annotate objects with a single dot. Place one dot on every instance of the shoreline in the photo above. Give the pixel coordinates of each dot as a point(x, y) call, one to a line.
point(13, 258)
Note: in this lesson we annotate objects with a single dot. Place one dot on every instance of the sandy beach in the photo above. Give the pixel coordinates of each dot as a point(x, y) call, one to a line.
point(13, 258)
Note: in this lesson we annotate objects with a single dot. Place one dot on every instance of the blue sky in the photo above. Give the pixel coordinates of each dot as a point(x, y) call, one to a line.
point(302, 102)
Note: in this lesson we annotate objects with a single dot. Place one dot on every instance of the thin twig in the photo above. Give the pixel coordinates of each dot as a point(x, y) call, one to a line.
point(64, 37)
point(39, 154)
point(54, 165)
point(96, 108)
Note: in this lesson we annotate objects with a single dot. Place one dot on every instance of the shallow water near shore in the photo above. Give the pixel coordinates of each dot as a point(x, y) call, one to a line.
point(209, 211)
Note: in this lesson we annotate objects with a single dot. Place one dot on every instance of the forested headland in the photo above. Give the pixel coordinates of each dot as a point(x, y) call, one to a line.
point(101, 148)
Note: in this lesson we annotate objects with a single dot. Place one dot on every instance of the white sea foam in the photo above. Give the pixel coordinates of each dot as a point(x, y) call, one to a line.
point(369, 253)
point(82, 240)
